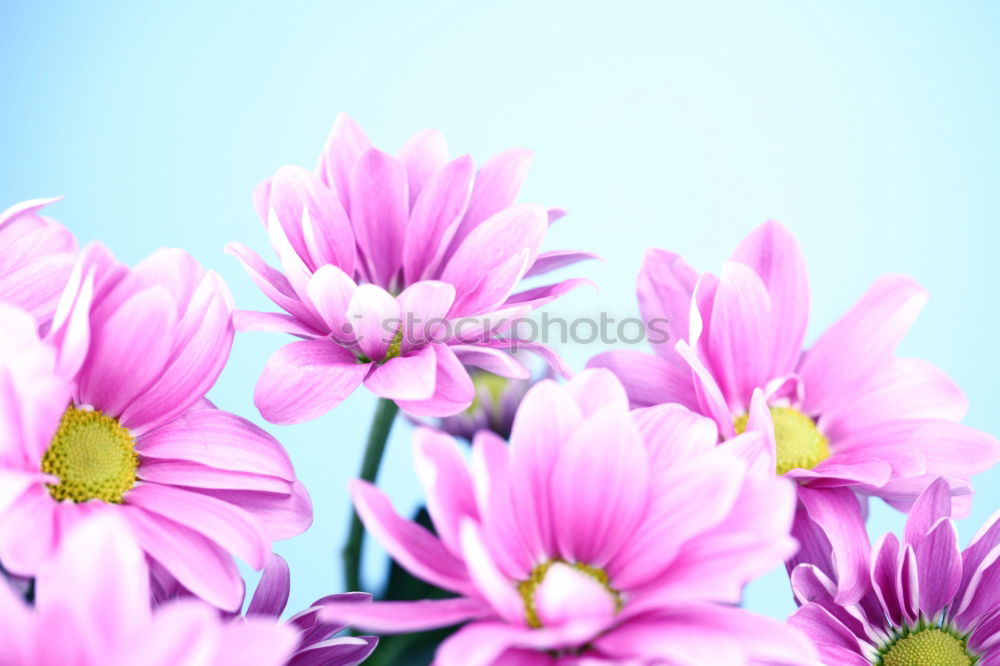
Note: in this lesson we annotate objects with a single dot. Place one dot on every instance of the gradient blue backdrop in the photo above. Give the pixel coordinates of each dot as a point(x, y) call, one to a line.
point(870, 129)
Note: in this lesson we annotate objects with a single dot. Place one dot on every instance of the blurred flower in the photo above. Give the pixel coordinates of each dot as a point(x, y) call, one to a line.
point(493, 408)
point(598, 534)
point(109, 415)
point(846, 413)
point(36, 257)
point(924, 601)
point(438, 249)
point(317, 641)
point(92, 609)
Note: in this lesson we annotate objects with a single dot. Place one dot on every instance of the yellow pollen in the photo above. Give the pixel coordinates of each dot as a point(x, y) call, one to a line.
point(927, 647)
point(799, 443)
point(395, 346)
point(527, 588)
point(92, 455)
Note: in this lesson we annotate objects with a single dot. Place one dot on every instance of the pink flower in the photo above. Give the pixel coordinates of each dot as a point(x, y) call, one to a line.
point(845, 413)
point(924, 601)
point(92, 609)
point(394, 272)
point(36, 257)
point(599, 535)
point(112, 417)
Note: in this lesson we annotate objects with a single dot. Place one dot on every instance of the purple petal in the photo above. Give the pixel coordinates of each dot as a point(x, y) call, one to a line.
point(435, 218)
point(346, 143)
point(648, 379)
point(304, 380)
point(423, 155)
point(838, 513)
point(392, 617)
point(271, 595)
point(379, 211)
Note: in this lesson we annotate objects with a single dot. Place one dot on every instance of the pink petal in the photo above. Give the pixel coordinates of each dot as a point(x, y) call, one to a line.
point(34, 513)
point(216, 438)
point(408, 377)
point(390, 617)
point(599, 486)
point(491, 360)
point(304, 380)
point(446, 483)
point(501, 531)
point(346, 143)
point(711, 402)
point(435, 218)
point(906, 388)
point(203, 339)
point(453, 389)
point(375, 317)
point(666, 286)
point(594, 390)
point(330, 290)
point(933, 504)
point(198, 564)
point(313, 219)
point(423, 308)
point(546, 419)
point(837, 512)
point(256, 641)
point(710, 634)
point(862, 342)
point(379, 207)
point(493, 257)
point(274, 285)
point(556, 259)
point(413, 547)
point(774, 254)
point(271, 595)
point(229, 526)
point(283, 515)
point(740, 342)
point(711, 482)
point(193, 475)
point(100, 577)
point(648, 379)
point(497, 184)
point(423, 155)
point(249, 321)
point(939, 567)
point(128, 351)
point(489, 580)
point(483, 643)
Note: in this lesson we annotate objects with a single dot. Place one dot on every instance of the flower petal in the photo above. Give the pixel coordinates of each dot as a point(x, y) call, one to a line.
point(391, 617)
point(379, 206)
point(304, 380)
point(435, 218)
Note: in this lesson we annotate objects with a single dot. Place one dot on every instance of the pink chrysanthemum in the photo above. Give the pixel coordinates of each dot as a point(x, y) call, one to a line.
point(598, 536)
point(92, 609)
point(395, 272)
point(844, 413)
point(114, 419)
point(924, 603)
point(36, 257)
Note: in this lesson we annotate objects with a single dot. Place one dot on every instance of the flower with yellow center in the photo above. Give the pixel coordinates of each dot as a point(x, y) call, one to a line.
point(799, 443)
point(93, 457)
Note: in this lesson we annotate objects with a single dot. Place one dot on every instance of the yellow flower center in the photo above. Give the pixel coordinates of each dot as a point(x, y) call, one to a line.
point(927, 647)
point(799, 443)
point(92, 455)
point(529, 588)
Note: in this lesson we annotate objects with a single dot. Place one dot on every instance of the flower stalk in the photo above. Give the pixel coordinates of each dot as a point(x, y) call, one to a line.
point(378, 436)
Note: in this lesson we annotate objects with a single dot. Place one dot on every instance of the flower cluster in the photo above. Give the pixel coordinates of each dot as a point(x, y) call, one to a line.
point(614, 517)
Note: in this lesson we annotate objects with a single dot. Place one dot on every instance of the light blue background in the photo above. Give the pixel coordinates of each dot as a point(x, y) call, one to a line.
point(870, 129)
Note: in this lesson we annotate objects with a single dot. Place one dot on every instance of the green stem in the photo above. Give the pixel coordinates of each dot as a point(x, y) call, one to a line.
point(385, 415)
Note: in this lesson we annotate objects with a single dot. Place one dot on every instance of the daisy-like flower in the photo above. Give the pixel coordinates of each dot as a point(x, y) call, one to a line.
point(92, 609)
point(925, 601)
point(597, 536)
point(394, 272)
point(36, 257)
point(120, 424)
point(847, 412)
